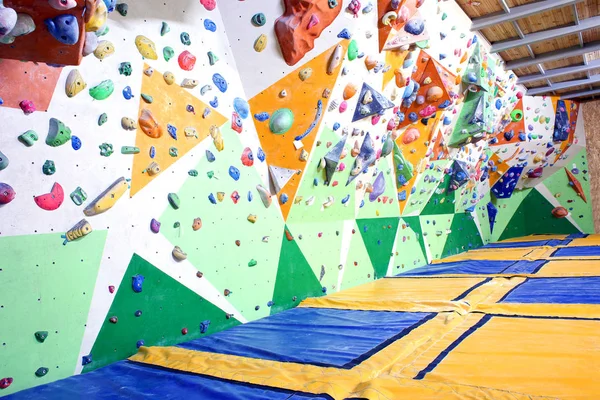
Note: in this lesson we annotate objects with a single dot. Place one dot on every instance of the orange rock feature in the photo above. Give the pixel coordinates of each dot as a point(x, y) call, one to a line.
point(302, 23)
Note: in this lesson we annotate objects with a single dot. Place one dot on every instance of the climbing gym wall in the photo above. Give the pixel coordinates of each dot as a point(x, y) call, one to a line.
point(591, 114)
point(211, 164)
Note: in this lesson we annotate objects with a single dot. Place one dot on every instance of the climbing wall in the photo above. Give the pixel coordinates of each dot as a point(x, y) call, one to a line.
point(209, 164)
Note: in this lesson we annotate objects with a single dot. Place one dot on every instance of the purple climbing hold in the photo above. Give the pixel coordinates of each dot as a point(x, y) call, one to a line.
point(154, 226)
point(378, 187)
point(136, 283)
point(64, 28)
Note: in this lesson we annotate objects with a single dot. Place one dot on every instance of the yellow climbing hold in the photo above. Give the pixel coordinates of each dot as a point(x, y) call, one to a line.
point(215, 133)
point(146, 47)
point(74, 84)
point(261, 43)
point(98, 19)
point(107, 199)
point(104, 49)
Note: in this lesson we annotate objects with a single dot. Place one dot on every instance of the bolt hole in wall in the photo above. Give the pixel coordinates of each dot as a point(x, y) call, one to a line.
point(304, 159)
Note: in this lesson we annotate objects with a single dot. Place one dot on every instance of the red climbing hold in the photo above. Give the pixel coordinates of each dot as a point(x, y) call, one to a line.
point(5, 382)
point(187, 61)
point(209, 4)
point(576, 185)
point(288, 236)
point(560, 212)
point(51, 201)
point(184, 331)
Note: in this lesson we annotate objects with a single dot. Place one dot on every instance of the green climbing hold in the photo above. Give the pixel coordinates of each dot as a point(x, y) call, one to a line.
point(193, 172)
point(210, 174)
point(252, 263)
point(102, 119)
point(58, 133)
point(122, 9)
point(422, 44)
point(103, 90)
point(281, 121)
point(165, 29)
point(212, 58)
point(130, 150)
point(49, 168)
point(259, 19)
point(79, 196)
point(125, 68)
point(41, 336)
point(444, 16)
point(173, 152)
point(185, 38)
point(106, 149)
point(41, 371)
point(28, 138)
point(168, 53)
point(147, 98)
point(174, 200)
point(352, 50)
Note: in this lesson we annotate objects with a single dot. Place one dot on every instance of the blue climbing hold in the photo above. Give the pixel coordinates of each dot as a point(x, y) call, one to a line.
point(64, 28)
point(442, 56)
point(412, 117)
point(250, 197)
point(344, 34)
point(324, 289)
point(447, 120)
point(136, 283)
point(220, 82)
point(283, 198)
point(509, 135)
point(261, 117)
point(211, 198)
point(362, 204)
point(444, 104)
point(204, 326)
point(234, 173)
point(315, 182)
point(210, 156)
point(75, 142)
point(214, 103)
point(139, 343)
point(152, 151)
point(270, 303)
point(138, 313)
point(127, 93)
point(415, 26)
point(172, 131)
point(336, 126)
point(345, 199)
point(209, 25)
point(261, 154)
point(498, 104)
point(110, 5)
point(241, 107)
point(522, 136)
point(85, 360)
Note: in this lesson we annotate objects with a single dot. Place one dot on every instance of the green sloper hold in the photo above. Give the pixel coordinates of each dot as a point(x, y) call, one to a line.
point(379, 235)
point(167, 306)
point(442, 200)
point(48, 286)
point(534, 215)
point(281, 121)
point(559, 183)
point(464, 235)
point(295, 278)
point(168, 53)
point(58, 133)
point(352, 50)
point(103, 90)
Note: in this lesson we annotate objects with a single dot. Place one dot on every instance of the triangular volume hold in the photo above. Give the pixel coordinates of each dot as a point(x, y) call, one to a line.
point(370, 102)
point(280, 177)
point(332, 159)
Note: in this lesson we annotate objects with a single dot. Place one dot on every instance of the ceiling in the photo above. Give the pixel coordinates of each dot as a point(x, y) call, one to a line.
point(553, 46)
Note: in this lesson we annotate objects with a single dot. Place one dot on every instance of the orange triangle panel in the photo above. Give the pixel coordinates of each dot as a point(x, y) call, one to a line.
point(169, 106)
point(516, 127)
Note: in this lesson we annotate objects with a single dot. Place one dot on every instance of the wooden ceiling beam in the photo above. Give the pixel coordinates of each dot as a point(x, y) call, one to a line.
point(554, 55)
point(553, 73)
point(564, 85)
point(580, 94)
point(549, 34)
point(519, 12)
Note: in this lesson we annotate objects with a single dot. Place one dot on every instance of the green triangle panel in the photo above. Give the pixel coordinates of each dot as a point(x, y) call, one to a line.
point(483, 219)
point(410, 246)
point(534, 216)
point(435, 230)
point(464, 235)
point(45, 286)
point(166, 308)
point(425, 186)
point(506, 210)
point(442, 200)
point(379, 207)
point(379, 235)
point(295, 279)
point(358, 268)
point(558, 185)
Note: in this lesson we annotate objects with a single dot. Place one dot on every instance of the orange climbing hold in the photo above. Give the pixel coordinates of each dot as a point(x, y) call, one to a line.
point(576, 185)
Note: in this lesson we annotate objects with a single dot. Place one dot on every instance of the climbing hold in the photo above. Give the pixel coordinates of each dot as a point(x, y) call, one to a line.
point(189, 83)
point(8, 20)
point(149, 124)
point(146, 47)
point(104, 49)
point(5, 382)
point(344, 34)
point(113, 320)
point(178, 254)
point(186, 61)
point(51, 201)
point(247, 157)
point(349, 91)
point(130, 150)
point(107, 199)
point(49, 168)
point(85, 360)
point(281, 121)
point(41, 336)
point(154, 226)
point(136, 283)
point(128, 124)
point(220, 82)
point(415, 26)
point(433, 94)
point(28, 138)
point(74, 83)
point(103, 90)
point(7, 193)
point(127, 93)
point(27, 107)
point(305, 73)
point(234, 173)
point(197, 224)
point(138, 313)
point(169, 78)
point(164, 29)
point(209, 25)
point(210, 156)
point(185, 38)
point(168, 53)
point(212, 58)
point(258, 19)
point(79, 196)
point(147, 98)
point(560, 212)
point(335, 59)
point(410, 135)
point(41, 371)
point(252, 218)
point(260, 43)
point(106, 149)
point(174, 200)
point(102, 119)
point(204, 324)
point(265, 195)
point(64, 28)
point(261, 117)
point(516, 115)
point(122, 9)
point(260, 154)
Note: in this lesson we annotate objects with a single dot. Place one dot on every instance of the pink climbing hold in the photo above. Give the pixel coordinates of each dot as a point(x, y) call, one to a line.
point(111, 289)
point(354, 7)
point(375, 119)
point(27, 106)
point(343, 106)
point(7, 193)
point(427, 111)
point(209, 4)
point(51, 201)
point(187, 61)
point(314, 20)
